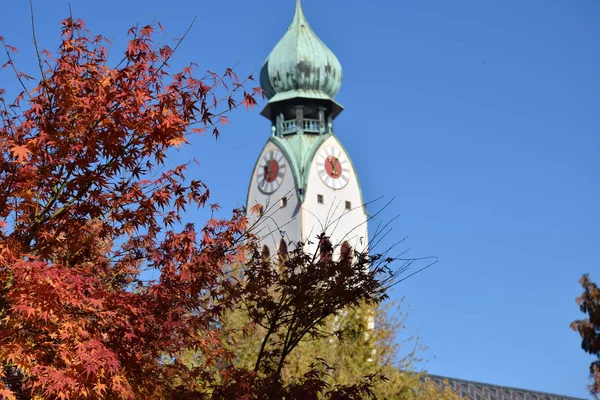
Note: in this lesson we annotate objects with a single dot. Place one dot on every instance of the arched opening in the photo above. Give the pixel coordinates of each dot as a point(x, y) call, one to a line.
point(282, 255)
point(265, 253)
point(346, 253)
point(325, 249)
point(283, 250)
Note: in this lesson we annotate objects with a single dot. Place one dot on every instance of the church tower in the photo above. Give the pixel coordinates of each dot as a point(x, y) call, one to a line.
point(304, 182)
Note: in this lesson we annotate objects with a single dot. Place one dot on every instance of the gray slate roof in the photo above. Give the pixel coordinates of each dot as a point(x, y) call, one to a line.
point(485, 391)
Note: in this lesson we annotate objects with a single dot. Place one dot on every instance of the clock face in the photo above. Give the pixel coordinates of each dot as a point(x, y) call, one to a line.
point(333, 167)
point(271, 170)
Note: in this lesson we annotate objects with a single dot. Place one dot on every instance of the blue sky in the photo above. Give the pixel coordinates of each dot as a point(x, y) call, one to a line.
point(481, 118)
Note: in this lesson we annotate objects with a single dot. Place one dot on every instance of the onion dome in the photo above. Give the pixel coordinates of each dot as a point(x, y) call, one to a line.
point(301, 65)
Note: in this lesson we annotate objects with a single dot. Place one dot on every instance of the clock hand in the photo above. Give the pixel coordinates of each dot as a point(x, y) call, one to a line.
point(333, 166)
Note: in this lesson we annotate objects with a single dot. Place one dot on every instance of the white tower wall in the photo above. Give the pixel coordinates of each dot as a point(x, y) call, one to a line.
point(332, 217)
point(276, 221)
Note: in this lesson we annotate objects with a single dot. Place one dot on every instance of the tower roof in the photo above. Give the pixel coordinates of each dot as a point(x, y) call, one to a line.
point(301, 65)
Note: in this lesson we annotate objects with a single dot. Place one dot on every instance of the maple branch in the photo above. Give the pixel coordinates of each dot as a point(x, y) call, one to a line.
point(263, 347)
point(233, 107)
point(176, 47)
point(37, 51)
point(285, 350)
point(6, 193)
point(12, 64)
point(164, 63)
point(56, 192)
point(7, 113)
point(275, 321)
point(394, 282)
point(80, 195)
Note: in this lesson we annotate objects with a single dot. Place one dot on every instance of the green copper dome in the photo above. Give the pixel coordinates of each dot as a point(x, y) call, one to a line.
point(301, 65)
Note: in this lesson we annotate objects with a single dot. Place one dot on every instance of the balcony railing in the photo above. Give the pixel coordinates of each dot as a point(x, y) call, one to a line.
point(312, 125)
point(308, 126)
point(290, 127)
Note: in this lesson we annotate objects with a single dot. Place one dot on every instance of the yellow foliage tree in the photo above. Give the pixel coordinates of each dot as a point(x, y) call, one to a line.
point(357, 343)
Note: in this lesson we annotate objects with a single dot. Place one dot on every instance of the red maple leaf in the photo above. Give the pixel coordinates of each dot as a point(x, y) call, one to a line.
point(21, 153)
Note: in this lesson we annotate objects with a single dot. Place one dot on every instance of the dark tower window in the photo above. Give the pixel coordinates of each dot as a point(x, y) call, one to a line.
point(283, 201)
point(348, 205)
point(320, 198)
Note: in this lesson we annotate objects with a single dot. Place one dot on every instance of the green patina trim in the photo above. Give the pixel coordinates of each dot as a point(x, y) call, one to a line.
point(299, 150)
point(295, 147)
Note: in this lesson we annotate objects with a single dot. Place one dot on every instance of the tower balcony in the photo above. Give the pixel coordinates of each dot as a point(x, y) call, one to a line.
point(301, 126)
point(306, 126)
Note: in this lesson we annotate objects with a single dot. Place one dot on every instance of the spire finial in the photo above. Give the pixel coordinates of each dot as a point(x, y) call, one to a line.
point(299, 14)
point(301, 65)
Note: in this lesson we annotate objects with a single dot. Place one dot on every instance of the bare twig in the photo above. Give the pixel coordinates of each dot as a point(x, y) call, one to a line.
point(37, 51)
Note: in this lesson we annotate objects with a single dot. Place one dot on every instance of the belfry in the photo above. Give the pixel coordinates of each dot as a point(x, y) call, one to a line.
point(304, 182)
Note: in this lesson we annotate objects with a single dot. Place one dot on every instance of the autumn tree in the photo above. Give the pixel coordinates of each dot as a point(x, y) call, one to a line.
point(87, 206)
point(589, 329)
point(88, 211)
